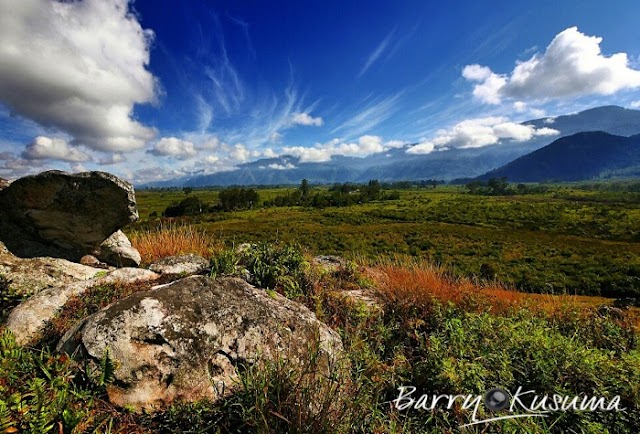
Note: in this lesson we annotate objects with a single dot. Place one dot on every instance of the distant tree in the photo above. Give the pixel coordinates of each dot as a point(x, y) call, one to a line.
point(187, 190)
point(305, 188)
point(191, 205)
point(474, 186)
point(233, 199)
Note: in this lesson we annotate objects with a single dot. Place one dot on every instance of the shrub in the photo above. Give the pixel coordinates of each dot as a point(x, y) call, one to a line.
point(225, 263)
point(274, 266)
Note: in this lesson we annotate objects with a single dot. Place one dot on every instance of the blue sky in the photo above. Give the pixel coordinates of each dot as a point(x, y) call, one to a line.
point(158, 89)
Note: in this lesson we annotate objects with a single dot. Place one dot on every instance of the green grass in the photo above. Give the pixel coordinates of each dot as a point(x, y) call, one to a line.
point(567, 240)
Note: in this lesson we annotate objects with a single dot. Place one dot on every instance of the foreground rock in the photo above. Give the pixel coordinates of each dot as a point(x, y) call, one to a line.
point(30, 276)
point(185, 265)
point(118, 251)
point(63, 215)
point(29, 318)
point(184, 340)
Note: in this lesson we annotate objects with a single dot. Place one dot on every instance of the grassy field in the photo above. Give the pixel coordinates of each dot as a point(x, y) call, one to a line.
point(448, 329)
point(569, 240)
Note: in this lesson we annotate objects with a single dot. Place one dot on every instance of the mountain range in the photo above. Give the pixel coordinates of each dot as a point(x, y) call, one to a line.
point(572, 157)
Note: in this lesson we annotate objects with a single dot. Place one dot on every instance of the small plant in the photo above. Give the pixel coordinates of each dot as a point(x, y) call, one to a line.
point(224, 263)
point(277, 266)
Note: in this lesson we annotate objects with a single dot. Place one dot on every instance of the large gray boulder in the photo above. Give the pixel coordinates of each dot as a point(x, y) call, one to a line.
point(62, 215)
point(118, 251)
point(184, 340)
point(29, 318)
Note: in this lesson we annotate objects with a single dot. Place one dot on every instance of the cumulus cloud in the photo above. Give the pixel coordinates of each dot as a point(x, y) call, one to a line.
point(45, 148)
point(572, 66)
point(635, 104)
point(477, 133)
point(321, 152)
point(306, 119)
point(79, 66)
point(173, 147)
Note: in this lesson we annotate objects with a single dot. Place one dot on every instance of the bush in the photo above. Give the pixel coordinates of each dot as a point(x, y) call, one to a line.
point(274, 266)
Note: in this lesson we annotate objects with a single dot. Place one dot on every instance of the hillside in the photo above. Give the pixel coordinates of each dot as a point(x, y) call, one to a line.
point(578, 157)
point(396, 164)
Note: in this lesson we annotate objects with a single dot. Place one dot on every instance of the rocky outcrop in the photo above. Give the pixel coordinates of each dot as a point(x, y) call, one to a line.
point(29, 318)
point(63, 215)
point(118, 251)
point(3, 183)
point(30, 276)
point(185, 340)
point(184, 265)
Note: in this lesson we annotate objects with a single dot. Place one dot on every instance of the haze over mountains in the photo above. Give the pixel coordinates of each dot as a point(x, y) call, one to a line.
point(571, 156)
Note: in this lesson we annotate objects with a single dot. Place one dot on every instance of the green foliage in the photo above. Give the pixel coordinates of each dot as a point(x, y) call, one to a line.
point(273, 265)
point(191, 205)
point(224, 263)
point(38, 390)
point(235, 199)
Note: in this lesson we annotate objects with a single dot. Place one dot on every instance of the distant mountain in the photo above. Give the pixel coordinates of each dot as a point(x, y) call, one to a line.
point(396, 164)
point(578, 157)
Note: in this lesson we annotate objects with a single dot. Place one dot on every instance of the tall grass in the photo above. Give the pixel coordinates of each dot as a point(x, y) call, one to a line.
point(403, 279)
point(171, 240)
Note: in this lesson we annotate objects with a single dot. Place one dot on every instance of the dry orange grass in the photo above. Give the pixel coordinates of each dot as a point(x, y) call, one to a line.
point(171, 240)
point(416, 282)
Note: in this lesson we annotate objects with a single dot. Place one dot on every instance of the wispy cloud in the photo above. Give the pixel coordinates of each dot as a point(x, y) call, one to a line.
point(370, 116)
point(375, 55)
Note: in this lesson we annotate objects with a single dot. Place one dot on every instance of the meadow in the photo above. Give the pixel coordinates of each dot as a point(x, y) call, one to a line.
point(433, 262)
point(571, 239)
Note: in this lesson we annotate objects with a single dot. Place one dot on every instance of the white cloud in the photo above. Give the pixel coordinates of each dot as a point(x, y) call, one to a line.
point(241, 153)
point(77, 167)
point(173, 147)
point(275, 137)
point(391, 144)
point(286, 166)
point(209, 143)
point(306, 119)
point(477, 133)
point(45, 148)
point(635, 105)
point(572, 66)
point(375, 54)
point(476, 72)
point(79, 66)
point(269, 153)
point(321, 152)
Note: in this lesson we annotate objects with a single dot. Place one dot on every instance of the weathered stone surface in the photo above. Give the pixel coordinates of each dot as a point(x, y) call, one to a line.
point(3, 183)
point(180, 265)
point(30, 276)
point(184, 340)
point(118, 251)
point(63, 215)
point(329, 263)
point(28, 319)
